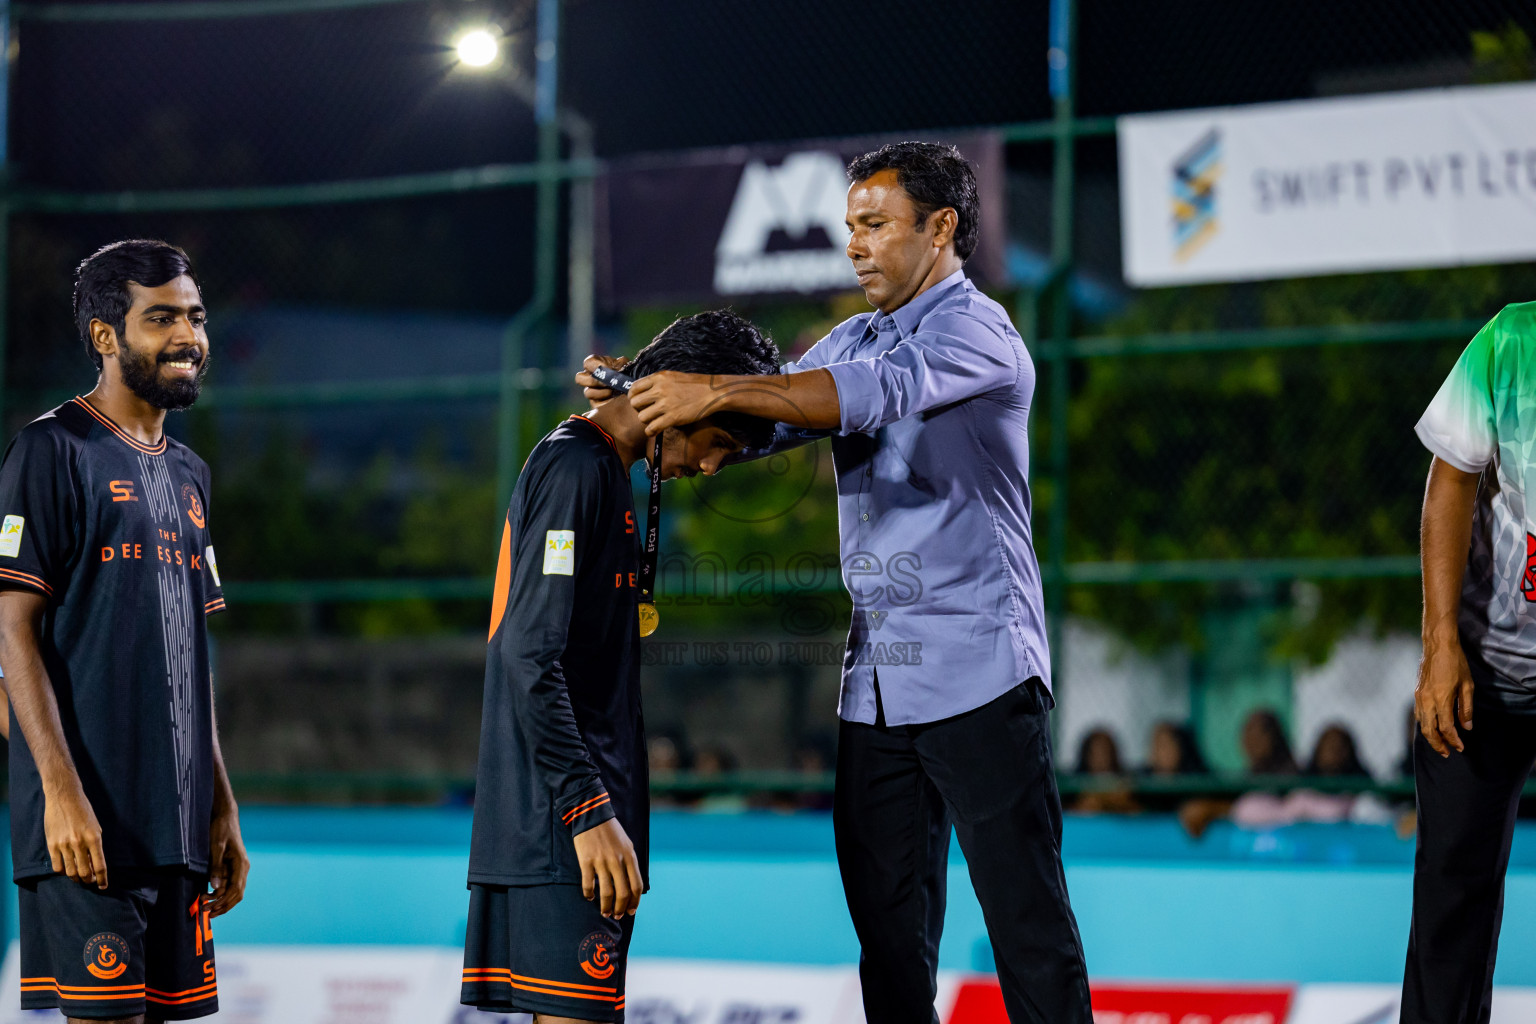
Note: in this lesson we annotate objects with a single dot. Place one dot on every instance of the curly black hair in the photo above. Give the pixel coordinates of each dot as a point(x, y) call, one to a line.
point(715, 341)
point(101, 282)
point(933, 176)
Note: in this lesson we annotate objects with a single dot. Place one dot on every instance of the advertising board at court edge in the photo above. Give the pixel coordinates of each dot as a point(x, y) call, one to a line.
point(1428, 178)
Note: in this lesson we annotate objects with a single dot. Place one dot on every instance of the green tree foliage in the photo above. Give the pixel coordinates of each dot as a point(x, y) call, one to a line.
point(1270, 453)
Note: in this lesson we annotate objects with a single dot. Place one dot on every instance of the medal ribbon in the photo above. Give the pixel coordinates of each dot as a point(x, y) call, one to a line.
point(652, 532)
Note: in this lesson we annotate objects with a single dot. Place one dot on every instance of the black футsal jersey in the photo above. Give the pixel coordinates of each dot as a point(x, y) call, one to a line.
point(562, 745)
point(115, 534)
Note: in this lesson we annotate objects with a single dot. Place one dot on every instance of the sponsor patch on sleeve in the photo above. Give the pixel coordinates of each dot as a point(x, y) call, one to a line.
point(213, 565)
point(560, 553)
point(10, 536)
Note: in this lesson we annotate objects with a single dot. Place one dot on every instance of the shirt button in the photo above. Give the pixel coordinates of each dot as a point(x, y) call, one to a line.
point(865, 516)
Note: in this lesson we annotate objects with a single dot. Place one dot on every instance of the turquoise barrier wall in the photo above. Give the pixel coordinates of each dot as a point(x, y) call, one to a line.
point(1304, 903)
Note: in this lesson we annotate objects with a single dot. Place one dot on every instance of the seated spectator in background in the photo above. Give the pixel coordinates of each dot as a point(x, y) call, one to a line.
point(812, 761)
point(1335, 755)
point(715, 763)
point(1267, 752)
point(1098, 754)
point(1098, 758)
point(665, 754)
point(1265, 747)
point(1174, 751)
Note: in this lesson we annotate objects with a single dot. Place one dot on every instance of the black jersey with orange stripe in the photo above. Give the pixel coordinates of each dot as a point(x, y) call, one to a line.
point(562, 745)
point(115, 534)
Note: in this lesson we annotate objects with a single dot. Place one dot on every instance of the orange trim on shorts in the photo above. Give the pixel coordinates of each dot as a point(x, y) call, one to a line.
point(552, 988)
point(96, 992)
point(580, 809)
point(108, 422)
point(191, 995)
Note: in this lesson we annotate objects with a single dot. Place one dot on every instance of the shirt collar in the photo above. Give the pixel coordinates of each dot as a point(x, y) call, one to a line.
point(909, 316)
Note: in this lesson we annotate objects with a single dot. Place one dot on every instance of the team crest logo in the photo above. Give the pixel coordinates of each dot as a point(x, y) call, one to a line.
point(599, 954)
point(106, 955)
point(1528, 581)
point(194, 506)
point(1193, 194)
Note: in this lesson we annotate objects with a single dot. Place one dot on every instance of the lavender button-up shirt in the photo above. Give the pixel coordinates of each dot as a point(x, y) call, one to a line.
point(933, 502)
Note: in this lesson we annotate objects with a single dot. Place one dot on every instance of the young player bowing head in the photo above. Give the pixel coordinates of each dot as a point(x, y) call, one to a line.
point(559, 855)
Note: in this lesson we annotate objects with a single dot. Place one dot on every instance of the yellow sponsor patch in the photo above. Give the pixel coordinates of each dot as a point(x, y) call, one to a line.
point(10, 536)
point(560, 553)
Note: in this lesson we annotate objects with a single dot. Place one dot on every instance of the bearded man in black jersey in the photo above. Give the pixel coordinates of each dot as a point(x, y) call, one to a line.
point(121, 811)
point(559, 856)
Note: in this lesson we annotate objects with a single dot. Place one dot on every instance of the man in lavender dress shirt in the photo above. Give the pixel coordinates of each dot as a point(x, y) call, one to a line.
point(927, 403)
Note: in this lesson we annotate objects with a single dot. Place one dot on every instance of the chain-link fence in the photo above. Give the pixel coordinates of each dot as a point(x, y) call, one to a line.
point(1226, 480)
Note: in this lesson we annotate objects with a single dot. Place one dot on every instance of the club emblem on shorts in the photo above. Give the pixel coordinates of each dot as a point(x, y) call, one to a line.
point(1528, 581)
point(598, 953)
point(106, 955)
point(194, 506)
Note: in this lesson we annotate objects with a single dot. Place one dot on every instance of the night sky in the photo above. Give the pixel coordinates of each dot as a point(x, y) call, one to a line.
point(371, 92)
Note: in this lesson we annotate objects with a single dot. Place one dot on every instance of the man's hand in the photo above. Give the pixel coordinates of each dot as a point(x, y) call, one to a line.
point(594, 392)
point(673, 399)
point(74, 836)
point(1445, 534)
point(1443, 696)
point(609, 869)
point(228, 863)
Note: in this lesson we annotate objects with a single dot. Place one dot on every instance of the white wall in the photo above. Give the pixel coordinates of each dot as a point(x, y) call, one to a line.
point(1106, 683)
point(1367, 684)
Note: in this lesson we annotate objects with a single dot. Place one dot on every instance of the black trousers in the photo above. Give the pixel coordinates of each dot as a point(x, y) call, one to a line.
point(1467, 808)
point(989, 774)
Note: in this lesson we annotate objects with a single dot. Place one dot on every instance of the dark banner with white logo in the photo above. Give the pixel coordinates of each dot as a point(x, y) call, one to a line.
point(716, 225)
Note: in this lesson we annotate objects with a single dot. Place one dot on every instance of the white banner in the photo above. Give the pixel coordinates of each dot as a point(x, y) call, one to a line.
point(1378, 1004)
point(1435, 178)
point(420, 985)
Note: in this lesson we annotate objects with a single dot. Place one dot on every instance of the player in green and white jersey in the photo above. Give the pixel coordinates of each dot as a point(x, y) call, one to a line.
point(1479, 562)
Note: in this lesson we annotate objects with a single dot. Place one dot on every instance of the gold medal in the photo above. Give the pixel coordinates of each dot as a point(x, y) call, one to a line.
point(649, 619)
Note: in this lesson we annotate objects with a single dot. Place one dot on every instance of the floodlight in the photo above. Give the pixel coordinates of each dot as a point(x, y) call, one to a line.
point(478, 48)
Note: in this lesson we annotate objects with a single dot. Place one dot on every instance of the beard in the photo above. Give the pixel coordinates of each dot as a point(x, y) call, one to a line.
point(141, 375)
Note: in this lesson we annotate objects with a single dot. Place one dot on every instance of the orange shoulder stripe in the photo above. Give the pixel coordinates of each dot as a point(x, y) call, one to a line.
point(502, 591)
point(606, 436)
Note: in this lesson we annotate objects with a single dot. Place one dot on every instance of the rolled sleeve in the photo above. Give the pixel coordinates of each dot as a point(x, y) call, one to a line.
point(952, 358)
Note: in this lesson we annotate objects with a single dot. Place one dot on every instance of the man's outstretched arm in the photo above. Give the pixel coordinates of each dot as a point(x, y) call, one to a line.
point(1444, 693)
point(69, 824)
point(807, 399)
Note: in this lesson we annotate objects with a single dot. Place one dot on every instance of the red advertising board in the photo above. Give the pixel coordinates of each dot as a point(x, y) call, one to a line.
point(979, 1001)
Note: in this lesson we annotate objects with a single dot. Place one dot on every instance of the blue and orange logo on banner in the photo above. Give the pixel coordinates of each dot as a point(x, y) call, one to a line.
point(1193, 194)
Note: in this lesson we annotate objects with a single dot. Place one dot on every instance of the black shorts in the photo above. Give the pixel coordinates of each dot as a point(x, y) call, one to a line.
point(143, 945)
point(544, 949)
